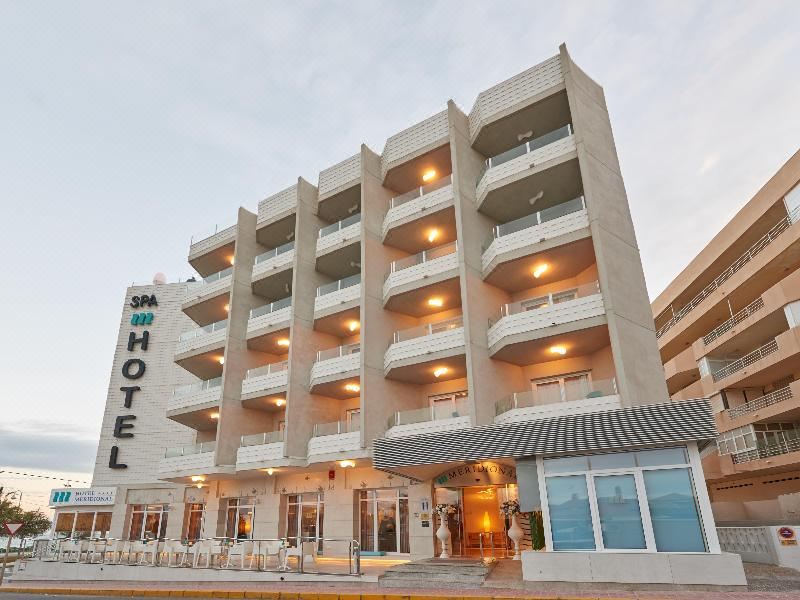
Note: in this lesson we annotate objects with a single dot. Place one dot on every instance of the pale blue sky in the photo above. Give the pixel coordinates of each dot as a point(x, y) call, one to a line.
point(127, 127)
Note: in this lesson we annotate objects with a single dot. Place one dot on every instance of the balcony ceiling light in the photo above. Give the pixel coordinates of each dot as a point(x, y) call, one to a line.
point(232, 260)
point(352, 387)
point(540, 270)
point(227, 308)
point(196, 478)
point(221, 360)
point(269, 471)
point(436, 301)
point(283, 342)
point(214, 416)
point(347, 463)
point(429, 175)
point(280, 402)
point(558, 350)
point(433, 234)
point(439, 371)
point(353, 325)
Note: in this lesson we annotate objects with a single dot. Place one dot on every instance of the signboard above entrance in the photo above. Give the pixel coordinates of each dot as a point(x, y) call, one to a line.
point(482, 473)
point(82, 496)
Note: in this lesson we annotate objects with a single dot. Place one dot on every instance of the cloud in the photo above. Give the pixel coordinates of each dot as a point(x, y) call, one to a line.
point(709, 163)
point(47, 446)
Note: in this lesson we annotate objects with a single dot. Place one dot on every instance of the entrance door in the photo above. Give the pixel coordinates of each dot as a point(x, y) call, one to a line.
point(304, 518)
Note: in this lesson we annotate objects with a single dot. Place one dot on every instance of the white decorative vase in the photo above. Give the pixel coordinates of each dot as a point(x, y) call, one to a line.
point(515, 533)
point(443, 533)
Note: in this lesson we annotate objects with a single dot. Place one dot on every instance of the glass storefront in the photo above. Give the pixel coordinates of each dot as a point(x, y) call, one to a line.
point(193, 525)
point(383, 520)
point(148, 521)
point(305, 517)
point(239, 519)
point(82, 524)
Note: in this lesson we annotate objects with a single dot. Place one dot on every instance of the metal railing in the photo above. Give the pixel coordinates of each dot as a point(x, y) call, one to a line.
point(423, 257)
point(746, 360)
point(421, 191)
point(775, 397)
point(283, 249)
point(272, 307)
point(335, 286)
point(534, 219)
point(199, 237)
point(597, 388)
point(201, 331)
point(740, 316)
point(335, 428)
point(269, 369)
point(745, 258)
point(766, 450)
point(338, 351)
point(200, 448)
point(430, 413)
point(200, 386)
point(259, 439)
point(339, 225)
point(353, 554)
point(428, 329)
point(527, 147)
point(546, 300)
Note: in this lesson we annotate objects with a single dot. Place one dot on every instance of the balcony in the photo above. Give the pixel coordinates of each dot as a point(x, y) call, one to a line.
point(531, 159)
point(416, 354)
point(192, 398)
point(339, 188)
point(431, 419)
point(259, 450)
point(275, 315)
point(185, 461)
point(418, 210)
point(338, 247)
point(521, 329)
point(210, 252)
point(265, 381)
point(426, 141)
point(338, 296)
point(199, 351)
point(421, 270)
point(737, 318)
point(331, 440)
point(206, 302)
point(582, 398)
point(751, 408)
point(560, 224)
point(739, 364)
point(779, 448)
point(338, 233)
point(334, 365)
point(272, 271)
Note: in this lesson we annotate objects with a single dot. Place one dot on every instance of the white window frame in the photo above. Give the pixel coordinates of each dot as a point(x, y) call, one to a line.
point(239, 506)
point(75, 521)
point(372, 500)
point(452, 397)
point(349, 415)
point(560, 380)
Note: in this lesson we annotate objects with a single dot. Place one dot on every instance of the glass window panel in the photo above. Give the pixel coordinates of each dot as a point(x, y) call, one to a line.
point(576, 387)
point(566, 464)
point(620, 517)
point(291, 521)
point(135, 532)
point(404, 543)
point(367, 523)
point(673, 510)
point(194, 523)
point(102, 523)
point(547, 392)
point(662, 456)
point(64, 524)
point(617, 460)
point(535, 303)
point(387, 522)
point(570, 516)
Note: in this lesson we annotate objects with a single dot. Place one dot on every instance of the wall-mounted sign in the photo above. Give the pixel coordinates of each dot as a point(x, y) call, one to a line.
point(786, 536)
point(142, 318)
point(483, 473)
point(82, 496)
point(144, 300)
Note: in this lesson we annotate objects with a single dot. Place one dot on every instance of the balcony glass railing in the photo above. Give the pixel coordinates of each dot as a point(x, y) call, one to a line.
point(421, 191)
point(428, 329)
point(218, 275)
point(546, 300)
point(345, 350)
point(335, 286)
point(200, 237)
point(555, 392)
point(537, 218)
point(423, 257)
point(269, 369)
point(260, 311)
point(336, 427)
point(437, 412)
point(529, 146)
point(201, 331)
point(275, 252)
point(189, 450)
point(259, 439)
point(194, 388)
point(338, 226)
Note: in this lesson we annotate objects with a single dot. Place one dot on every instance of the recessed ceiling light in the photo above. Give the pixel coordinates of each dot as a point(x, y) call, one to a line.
point(221, 360)
point(283, 342)
point(540, 270)
point(439, 371)
point(214, 415)
point(429, 175)
point(558, 350)
point(227, 308)
point(352, 387)
point(270, 471)
point(352, 325)
point(280, 402)
point(436, 301)
point(196, 478)
point(347, 463)
point(232, 259)
point(433, 234)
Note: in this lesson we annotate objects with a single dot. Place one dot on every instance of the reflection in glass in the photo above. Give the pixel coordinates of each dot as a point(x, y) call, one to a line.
point(673, 510)
point(570, 517)
point(620, 518)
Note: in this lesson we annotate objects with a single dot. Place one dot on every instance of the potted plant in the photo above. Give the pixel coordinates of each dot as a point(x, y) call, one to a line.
point(443, 533)
point(510, 509)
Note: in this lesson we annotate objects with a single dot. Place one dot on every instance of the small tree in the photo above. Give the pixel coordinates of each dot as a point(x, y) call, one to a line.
point(35, 522)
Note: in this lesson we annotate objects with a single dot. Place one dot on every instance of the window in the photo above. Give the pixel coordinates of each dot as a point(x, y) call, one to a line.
point(383, 519)
point(563, 388)
point(193, 527)
point(446, 406)
point(148, 522)
point(64, 524)
point(305, 518)
point(239, 521)
point(624, 501)
point(353, 417)
point(83, 524)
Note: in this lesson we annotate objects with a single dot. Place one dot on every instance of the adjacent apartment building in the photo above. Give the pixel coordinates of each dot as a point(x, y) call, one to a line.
point(727, 330)
point(461, 319)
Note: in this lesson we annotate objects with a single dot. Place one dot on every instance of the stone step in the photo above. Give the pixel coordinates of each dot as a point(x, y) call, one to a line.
point(437, 573)
point(427, 582)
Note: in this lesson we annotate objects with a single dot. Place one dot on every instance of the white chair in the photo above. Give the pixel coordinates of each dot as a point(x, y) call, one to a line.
point(117, 549)
point(71, 550)
point(173, 549)
point(135, 551)
point(308, 550)
point(96, 548)
point(272, 548)
point(241, 550)
point(151, 550)
point(208, 549)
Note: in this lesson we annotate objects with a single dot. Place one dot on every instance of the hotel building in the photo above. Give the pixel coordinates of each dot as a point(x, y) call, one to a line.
point(461, 319)
point(727, 330)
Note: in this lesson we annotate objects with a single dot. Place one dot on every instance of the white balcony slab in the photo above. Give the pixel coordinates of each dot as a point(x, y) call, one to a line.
point(521, 166)
point(274, 264)
point(252, 456)
point(419, 273)
point(335, 444)
point(541, 318)
point(437, 426)
point(277, 206)
point(265, 384)
point(339, 177)
point(413, 209)
point(507, 246)
point(196, 399)
point(452, 339)
point(331, 367)
point(338, 238)
point(221, 238)
point(206, 291)
point(203, 342)
point(560, 409)
point(337, 298)
point(273, 319)
point(415, 141)
point(195, 463)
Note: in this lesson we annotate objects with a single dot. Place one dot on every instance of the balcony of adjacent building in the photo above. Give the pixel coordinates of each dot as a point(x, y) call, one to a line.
point(752, 263)
point(427, 353)
point(212, 251)
point(762, 447)
point(196, 405)
point(272, 272)
point(572, 393)
point(779, 401)
point(277, 215)
point(264, 387)
point(443, 412)
point(682, 371)
point(549, 322)
point(340, 190)
point(414, 279)
point(208, 301)
point(261, 452)
point(337, 440)
point(268, 326)
point(201, 350)
point(338, 252)
point(338, 297)
point(419, 149)
point(190, 463)
point(336, 371)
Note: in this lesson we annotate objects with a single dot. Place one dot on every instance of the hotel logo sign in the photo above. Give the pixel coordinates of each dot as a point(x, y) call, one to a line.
point(484, 473)
point(83, 496)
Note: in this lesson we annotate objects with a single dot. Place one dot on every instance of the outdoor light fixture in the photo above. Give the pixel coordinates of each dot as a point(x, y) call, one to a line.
point(196, 478)
point(227, 308)
point(214, 415)
point(283, 342)
point(436, 301)
point(270, 471)
point(346, 463)
point(352, 325)
point(352, 387)
point(280, 402)
point(540, 270)
point(433, 234)
point(232, 259)
point(438, 372)
point(558, 350)
point(221, 360)
point(428, 175)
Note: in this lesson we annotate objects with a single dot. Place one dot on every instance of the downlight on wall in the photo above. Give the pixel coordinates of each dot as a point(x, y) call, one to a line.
point(429, 175)
point(347, 464)
point(540, 270)
point(558, 350)
point(439, 371)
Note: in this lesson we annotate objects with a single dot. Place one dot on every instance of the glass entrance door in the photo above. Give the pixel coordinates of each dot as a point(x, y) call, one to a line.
point(383, 518)
point(304, 518)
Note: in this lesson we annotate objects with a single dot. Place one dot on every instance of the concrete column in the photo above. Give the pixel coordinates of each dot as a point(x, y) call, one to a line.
point(339, 514)
point(421, 539)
